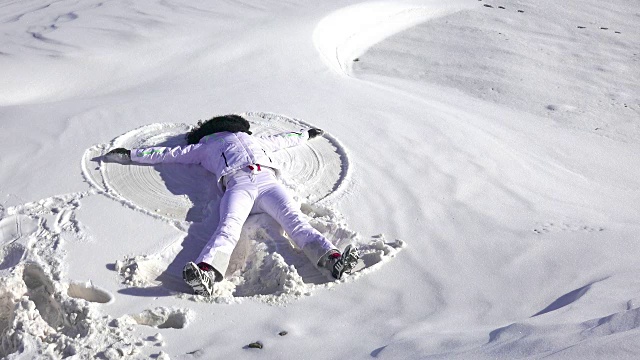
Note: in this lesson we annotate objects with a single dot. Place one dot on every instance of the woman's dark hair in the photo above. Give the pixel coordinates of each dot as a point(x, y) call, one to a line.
point(231, 123)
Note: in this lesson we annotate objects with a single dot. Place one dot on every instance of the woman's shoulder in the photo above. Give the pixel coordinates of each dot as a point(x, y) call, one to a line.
point(215, 137)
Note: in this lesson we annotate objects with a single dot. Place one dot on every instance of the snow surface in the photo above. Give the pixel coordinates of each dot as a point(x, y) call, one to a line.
point(499, 141)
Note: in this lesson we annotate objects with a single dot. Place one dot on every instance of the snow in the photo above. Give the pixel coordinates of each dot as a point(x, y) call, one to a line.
point(482, 155)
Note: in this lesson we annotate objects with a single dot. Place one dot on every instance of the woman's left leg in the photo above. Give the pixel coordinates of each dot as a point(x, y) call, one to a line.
point(275, 200)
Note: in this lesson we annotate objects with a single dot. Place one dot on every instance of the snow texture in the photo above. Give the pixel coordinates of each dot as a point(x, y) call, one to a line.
point(500, 139)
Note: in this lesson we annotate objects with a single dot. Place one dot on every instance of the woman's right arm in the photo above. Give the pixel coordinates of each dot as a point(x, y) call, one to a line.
point(189, 154)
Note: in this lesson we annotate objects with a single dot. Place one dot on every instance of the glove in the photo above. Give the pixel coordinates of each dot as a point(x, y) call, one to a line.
point(118, 155)
point(315, 132)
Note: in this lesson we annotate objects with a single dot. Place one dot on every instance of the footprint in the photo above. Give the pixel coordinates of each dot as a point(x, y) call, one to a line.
point(378, 250)
point(89, 292)
point(11, 255)
point(163, 318)
point(66, 315)
point(41, 292)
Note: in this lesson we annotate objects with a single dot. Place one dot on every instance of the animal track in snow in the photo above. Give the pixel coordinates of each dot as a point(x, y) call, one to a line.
point(550, 227)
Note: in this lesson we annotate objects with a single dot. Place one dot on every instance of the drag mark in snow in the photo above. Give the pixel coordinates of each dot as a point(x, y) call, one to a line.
point(344, 35)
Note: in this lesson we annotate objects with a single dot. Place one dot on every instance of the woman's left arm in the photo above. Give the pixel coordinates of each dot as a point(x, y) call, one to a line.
point(289, 139)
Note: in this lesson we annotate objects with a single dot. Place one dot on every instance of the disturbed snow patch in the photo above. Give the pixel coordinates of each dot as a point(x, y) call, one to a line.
point(42, 316)
point(265, 265)
point(162, 318)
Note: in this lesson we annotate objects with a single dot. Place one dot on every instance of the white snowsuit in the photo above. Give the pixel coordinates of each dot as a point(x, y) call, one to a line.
point(247, 175)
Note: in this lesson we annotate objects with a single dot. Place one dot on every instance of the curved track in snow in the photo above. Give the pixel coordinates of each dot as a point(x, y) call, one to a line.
point(347, 33)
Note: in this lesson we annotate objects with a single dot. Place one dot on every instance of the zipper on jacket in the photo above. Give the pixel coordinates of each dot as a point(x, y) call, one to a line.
point(225, 159)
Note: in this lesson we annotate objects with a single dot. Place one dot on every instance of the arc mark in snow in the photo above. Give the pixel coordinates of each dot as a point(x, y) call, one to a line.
point(347, 33)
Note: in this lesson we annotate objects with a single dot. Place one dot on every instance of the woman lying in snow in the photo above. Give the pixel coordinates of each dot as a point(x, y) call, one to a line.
point(246, 174)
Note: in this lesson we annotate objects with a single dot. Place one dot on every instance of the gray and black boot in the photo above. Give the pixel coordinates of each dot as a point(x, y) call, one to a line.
point(201, 280)
point(340, 264)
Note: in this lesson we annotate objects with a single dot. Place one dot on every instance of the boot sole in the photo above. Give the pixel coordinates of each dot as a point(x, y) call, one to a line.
point(347, 263)
point(191, 274)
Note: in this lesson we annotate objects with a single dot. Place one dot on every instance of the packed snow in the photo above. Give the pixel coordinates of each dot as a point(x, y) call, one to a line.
point(482, 155)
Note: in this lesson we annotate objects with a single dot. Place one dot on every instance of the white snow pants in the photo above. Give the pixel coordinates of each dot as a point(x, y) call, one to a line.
point(253, 192)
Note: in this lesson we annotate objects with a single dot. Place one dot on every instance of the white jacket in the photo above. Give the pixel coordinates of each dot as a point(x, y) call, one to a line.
point(223, 153)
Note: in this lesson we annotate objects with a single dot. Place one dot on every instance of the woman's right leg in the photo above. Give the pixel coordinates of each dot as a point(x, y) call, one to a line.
point(235, 207)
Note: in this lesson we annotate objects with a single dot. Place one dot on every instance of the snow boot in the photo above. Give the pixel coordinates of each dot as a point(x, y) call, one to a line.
point(200, 280)
point(343, 264)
